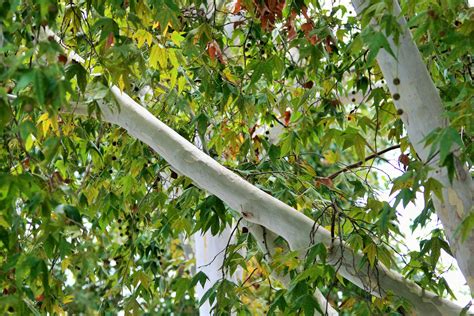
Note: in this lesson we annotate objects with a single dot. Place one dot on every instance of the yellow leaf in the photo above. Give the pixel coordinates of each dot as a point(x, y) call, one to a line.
point(177, 38)
point(143, 12)
point(121, 83)
point(331, 157)
point(58, 310)
point(65, 264)
point(371, 251)
point(308, 168)
point(229, 76)
point(143, 36)
point(173, 58)
point(30, 140)
point(44, 122)
point(166, 29)
point(181, 83)
point(174, 77)
point(91, 193)
point(67, 129)
point(158, 55)
point(43, 117)
point(328, 86)
point(3, 222)
point(68, 299)
point(54, 124)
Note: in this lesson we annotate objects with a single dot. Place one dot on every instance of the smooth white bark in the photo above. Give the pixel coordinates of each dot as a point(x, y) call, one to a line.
point(423, 112)
point(209, 252)
point(260, 208)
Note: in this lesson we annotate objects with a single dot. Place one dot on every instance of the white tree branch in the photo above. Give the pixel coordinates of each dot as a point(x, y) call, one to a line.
point(423, 112)
point(260, 208)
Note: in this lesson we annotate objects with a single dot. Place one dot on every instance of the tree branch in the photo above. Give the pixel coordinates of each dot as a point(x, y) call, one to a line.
point(422, 112)
point(260, 208)
point(359, 163)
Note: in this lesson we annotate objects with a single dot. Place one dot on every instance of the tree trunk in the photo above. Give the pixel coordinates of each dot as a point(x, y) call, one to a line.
point(423, 112)
point(209, 252)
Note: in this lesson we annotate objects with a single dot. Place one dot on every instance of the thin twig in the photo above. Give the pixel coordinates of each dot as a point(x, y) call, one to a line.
point(359, 163)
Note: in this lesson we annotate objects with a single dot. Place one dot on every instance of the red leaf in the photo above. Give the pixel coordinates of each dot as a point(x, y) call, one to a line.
point(211, 50)
point(404, 160)
point(324, 181)
point(40, 298)
point(214, 51)
point(304, 11)
point(62, 58)
point(287, 117)
point(327, 44)
point(313, 40)
point(308, 84)
point(291, 32)
point(110, 40)
point(307, 27)
point(238, 7)
point(335, 103)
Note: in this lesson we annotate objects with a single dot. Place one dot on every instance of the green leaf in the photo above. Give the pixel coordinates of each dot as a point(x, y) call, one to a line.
point(274, 153)
point(26, 128)
point(466, 227)
point(433, 186)
point(40, 85)
point(371, 251)
point(200, 277)
point(76, 70)
point(448, 138)
point(375, 40)
point(72, 213)
point(5, 114)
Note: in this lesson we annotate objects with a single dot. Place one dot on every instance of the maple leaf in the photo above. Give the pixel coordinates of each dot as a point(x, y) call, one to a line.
point(327, 44)
point(308, 84)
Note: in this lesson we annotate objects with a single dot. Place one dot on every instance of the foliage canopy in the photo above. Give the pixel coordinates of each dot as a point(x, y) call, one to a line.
point(286, 94)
